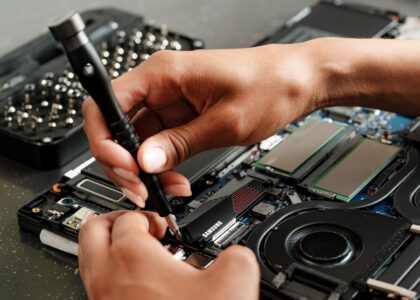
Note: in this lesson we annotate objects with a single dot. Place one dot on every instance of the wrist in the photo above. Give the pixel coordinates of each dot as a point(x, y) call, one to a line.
point(334, 82)
point(310, 75)
point(295, 78)
point(353, 72)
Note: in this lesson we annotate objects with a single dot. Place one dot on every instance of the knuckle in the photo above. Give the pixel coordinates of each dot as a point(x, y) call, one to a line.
point(238, 131)
point(157, 227)
point(99, 156)
point(123, 246)
point(165, 58)
point(169, 61)
point(153, 218)
point(234, 123)
point(88, 229)
point(86, 106)
point(122, 251)
point(97, 287)
point(118, 248)
point(241, 257)
point(180, 140)
point(132, 217)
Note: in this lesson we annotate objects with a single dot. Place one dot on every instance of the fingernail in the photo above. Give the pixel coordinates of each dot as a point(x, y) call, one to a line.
point(88, 216)
point(183, 190)
point(154, 159)
point(126, 174)
point(133, 197)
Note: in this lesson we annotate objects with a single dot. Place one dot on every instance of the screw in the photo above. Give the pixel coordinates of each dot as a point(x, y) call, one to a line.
point(44, 103)
point(52, 124)
point(119, 51)
point(29, 88)
point(49, 75)
point(105, 54)
point(46, 140)
point(118, 59)
point(72, 112)
point(164, 30)
point(144, 56)
point(11, 110)
point(21, 118)
point(69, 121)
point(35, 121)
point(121, 35)
point(88, 70)
point(175, 45)
point(36, 210)
point(198, 44)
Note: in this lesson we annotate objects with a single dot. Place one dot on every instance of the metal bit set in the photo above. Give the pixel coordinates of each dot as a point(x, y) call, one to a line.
point(136, 46)
point(41, 98)
point(52, 102)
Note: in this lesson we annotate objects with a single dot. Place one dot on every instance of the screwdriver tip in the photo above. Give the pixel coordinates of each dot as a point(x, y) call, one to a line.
point(173, 226)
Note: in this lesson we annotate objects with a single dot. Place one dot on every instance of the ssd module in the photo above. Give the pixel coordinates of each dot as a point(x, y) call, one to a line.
point(304, 148)
point(355, 170)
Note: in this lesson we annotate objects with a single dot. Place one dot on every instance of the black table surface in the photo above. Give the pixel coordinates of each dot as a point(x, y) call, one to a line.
point(29, 269)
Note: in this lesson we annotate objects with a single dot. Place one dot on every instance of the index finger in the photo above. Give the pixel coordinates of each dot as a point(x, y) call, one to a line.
point(128, 93)
point(153, 83)
point(144, 221)
point(101, 142)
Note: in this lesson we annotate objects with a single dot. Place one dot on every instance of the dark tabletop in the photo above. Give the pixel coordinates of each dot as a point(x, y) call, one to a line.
point(29, 269)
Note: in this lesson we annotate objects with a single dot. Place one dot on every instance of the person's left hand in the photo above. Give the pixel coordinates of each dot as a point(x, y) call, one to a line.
point(120, 257)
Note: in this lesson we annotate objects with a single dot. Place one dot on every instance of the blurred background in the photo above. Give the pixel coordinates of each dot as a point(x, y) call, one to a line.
point(220, 23)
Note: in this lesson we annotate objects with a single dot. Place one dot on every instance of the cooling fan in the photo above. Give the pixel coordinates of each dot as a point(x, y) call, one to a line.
point(325, 250)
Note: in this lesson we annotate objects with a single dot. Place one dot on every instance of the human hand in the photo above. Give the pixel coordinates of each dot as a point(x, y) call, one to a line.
point(182, 103)
point(120, 257)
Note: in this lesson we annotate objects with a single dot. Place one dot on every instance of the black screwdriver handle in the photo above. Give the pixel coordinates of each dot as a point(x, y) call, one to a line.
point(93, 76)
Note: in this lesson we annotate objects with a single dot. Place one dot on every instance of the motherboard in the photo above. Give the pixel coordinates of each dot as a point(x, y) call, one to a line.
point(352, 184)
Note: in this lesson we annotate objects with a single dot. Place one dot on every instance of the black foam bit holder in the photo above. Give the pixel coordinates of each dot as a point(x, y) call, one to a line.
point(41, 97)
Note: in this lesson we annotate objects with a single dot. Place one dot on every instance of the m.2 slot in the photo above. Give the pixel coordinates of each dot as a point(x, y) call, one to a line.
point(217, 215)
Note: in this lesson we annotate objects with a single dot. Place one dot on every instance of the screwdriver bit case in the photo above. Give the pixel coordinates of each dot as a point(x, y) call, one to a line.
point(40, 96)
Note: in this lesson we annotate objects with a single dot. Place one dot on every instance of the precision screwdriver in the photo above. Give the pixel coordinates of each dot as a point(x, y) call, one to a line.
point(94, 78)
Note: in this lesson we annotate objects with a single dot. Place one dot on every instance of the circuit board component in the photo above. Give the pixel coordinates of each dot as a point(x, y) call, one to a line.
point(304, 148)
point(74, 222)
point(357, 168)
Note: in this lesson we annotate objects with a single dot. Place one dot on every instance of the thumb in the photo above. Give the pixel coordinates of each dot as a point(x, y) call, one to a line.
point(170, 147)
point(236, 268)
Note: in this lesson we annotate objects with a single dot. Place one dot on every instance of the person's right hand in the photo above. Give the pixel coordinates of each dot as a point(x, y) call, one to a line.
point(182, 103)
